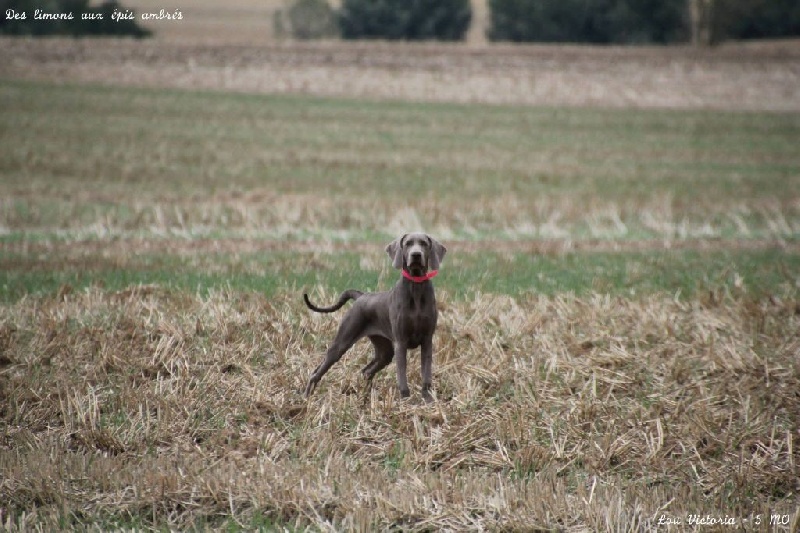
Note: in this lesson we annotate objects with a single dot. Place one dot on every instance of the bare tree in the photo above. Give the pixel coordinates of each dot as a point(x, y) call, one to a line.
point(701, 13)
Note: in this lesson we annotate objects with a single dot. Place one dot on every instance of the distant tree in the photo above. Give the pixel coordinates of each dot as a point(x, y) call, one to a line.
point(755, 19)
point(588, 21)
point(536, 20)
point(97, 19)
point(642, 21)
point(446, 20)
point(701, 19)
point(646, 21)
point(306, 19)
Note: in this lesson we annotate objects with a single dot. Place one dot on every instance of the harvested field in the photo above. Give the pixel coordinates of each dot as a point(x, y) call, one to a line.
point(150, 408)
point(619, 338)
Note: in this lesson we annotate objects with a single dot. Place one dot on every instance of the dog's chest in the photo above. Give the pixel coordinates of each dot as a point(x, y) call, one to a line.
point(417, 320)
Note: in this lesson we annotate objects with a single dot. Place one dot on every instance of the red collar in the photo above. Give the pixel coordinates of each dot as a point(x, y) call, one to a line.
point(419, 279)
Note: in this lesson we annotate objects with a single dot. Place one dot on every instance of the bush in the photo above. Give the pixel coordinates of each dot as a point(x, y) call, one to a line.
point(589, 21)
point(445, 20)
point(755, 19)
point(307, 19)
point(647, 21)
point(639, 21)
point(98, 23)
point(534, 20)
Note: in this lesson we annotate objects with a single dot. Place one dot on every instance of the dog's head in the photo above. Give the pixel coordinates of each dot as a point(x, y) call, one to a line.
point(416, 253)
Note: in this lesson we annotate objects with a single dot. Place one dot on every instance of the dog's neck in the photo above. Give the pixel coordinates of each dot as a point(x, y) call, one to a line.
point(420, 279)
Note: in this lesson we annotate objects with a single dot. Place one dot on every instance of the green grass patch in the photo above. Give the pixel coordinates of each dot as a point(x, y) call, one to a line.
point(683, 273)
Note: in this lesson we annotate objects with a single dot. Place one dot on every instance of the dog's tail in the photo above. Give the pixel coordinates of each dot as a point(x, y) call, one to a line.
point(350, 294)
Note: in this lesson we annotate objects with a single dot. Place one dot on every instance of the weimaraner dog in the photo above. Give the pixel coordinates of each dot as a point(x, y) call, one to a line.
point(395, 321)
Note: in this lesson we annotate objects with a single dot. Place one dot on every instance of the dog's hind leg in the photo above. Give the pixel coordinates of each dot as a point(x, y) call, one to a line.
point(350, 331)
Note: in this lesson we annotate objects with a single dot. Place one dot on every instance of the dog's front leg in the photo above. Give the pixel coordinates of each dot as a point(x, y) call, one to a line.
point(426, 361)
point(400, 351)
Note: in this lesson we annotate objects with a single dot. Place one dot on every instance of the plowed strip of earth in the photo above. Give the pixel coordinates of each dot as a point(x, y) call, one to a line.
point(193, 247)
point(760, 76)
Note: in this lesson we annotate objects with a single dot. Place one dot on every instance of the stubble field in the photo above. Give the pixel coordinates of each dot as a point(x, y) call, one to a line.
point(618, 341)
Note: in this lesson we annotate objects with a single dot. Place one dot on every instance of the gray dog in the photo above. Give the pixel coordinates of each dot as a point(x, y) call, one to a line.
point(396, 320)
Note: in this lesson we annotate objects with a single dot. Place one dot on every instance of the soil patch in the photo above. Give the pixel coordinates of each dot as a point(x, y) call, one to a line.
point(763, 76)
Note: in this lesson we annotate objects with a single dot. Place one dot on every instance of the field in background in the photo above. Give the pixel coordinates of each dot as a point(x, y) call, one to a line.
point(618, 341)
point(96, 173)
point(733, 77)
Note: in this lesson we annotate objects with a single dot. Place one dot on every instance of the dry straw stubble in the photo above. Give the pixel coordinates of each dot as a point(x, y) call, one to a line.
point(158, 408)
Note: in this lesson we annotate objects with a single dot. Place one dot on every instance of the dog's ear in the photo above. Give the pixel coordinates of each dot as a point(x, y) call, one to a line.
point(437, 253)
point(395, 251)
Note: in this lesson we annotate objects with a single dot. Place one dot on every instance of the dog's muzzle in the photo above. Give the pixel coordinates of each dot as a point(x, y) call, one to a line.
point(416, 263)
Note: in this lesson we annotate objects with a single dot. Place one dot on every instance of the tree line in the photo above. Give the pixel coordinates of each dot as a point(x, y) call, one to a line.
point(559, 21)
point(642, 21)
point(575, 21)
